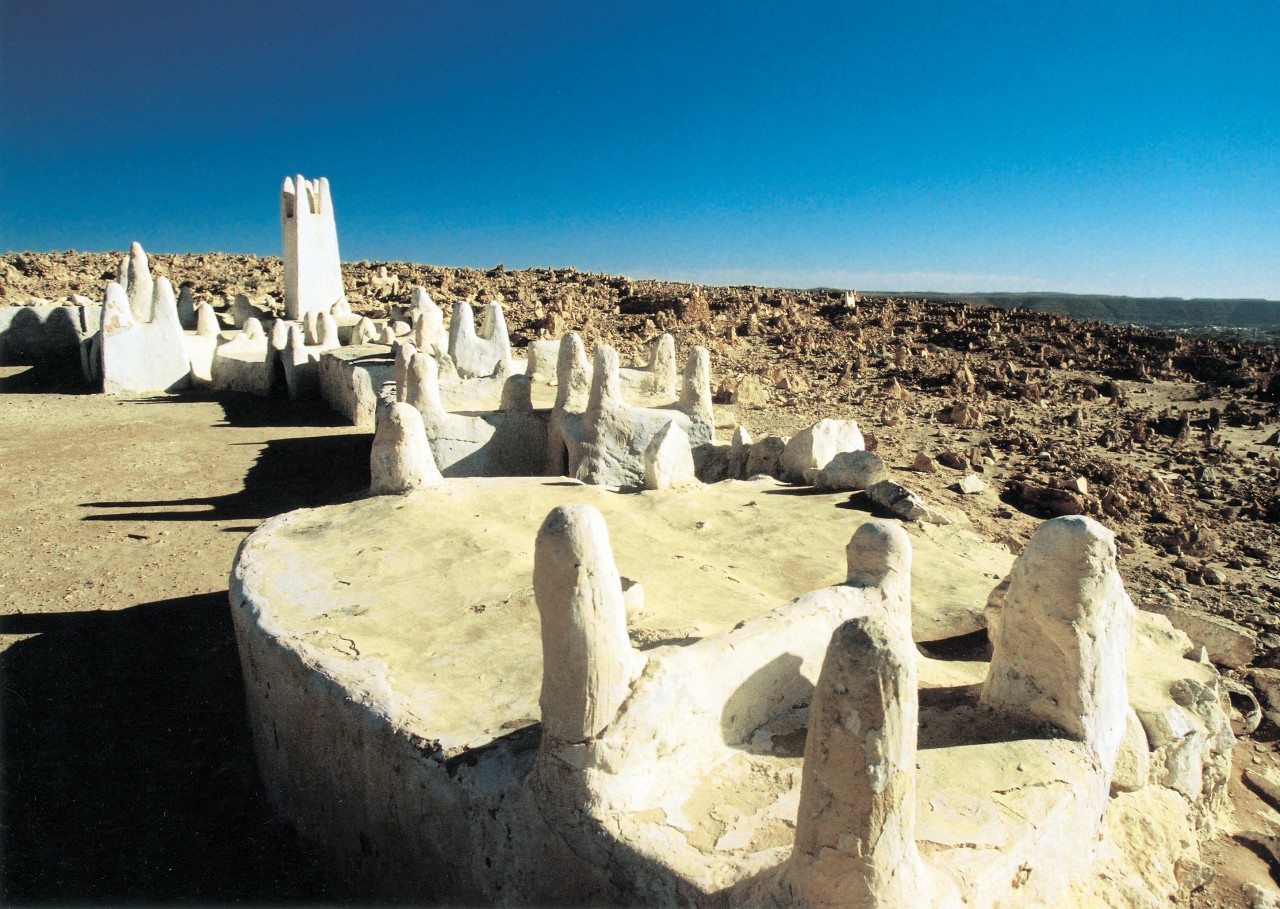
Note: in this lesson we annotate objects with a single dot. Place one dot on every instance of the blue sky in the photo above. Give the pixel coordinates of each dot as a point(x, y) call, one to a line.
point(1114, 147)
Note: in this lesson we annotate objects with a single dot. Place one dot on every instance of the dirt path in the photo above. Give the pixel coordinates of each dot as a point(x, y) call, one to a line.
point(128, 773)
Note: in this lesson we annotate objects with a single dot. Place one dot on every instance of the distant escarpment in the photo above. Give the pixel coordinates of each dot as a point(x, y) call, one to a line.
point(1149, 312)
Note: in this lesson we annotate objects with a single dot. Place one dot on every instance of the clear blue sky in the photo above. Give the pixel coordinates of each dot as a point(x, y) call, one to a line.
point(1113, 147)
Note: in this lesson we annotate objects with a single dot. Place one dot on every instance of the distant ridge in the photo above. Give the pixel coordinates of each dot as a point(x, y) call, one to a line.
point(1149, 312)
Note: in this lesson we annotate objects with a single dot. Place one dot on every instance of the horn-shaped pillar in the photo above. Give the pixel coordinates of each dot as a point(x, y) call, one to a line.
point(662, 366)
point(606, 385)
point(401, 459)
point(573, 374)
point(879, 555)
point(855, 830)
point(404, 353)
point(139, 286)
point(422, 388)
point(206, 320)
point(695, 396)
point(587, 660)
point(428, 324)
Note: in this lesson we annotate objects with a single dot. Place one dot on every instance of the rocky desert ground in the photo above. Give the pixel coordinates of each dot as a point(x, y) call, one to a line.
point(127, 771)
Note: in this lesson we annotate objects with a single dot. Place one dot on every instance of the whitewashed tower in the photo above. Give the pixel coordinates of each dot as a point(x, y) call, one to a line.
point(312, 270)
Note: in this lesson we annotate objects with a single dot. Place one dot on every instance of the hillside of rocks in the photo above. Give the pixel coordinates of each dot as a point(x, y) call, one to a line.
point(1170, 440)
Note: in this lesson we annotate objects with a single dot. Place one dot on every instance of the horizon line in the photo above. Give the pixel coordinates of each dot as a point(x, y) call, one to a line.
point(636, 276)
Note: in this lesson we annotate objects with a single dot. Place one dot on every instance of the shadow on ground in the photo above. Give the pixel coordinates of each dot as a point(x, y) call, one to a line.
point(247, 410)
point(128, 767)
point(54, 375)
point(292, 472)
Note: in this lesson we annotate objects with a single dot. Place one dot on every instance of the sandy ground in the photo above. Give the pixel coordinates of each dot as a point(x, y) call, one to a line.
point(128, 774)
point(127, 771)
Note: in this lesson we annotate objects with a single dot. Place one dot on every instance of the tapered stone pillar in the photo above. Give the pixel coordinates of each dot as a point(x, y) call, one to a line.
point(401, 459)
point(1060, 650)
point(855, 830)
point(587, 660)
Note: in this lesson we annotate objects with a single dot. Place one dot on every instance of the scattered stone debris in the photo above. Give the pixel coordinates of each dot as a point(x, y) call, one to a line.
point(904, 503)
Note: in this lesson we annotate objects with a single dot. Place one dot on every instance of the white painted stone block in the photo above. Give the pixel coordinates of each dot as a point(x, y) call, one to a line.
point(817, 445)
point(1060, 652)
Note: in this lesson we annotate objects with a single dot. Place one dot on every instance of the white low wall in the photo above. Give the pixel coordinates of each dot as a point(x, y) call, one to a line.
point(32, 333)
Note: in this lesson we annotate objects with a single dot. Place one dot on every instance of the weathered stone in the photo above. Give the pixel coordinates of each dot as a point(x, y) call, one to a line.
point(1228, 643)
point(1266, 783)
point(668, 461)
point(543, 355)
point(34, 334)
point(695, 396)
point(139, 287)
point(963, 414)
point(1260, 897)
point(201, 343)
point(1057, 502)
point(924, 464)
point(350, 379)
point(879, 554)
point(139, 355)
point(904, 503)
point(478, 354)
point(851, 470)
point(816, 445)
point(657, 379)
point(1133, 760)
point(403, 354)
point(366, 332)
point(953, 459)
point(749, 391)
point(242, 310)
point(496, 443)
point(587, 660)
point(606, 444)
point(301, 360)
point(970, 484)
point(739, 451)
point(1011, 813)
point(765, 456)
point(401, 460)
point(1060, 650)
point(246, 362)
point(855, 829)
point(1266, 682)
point(186, 308)
point(428, 320)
